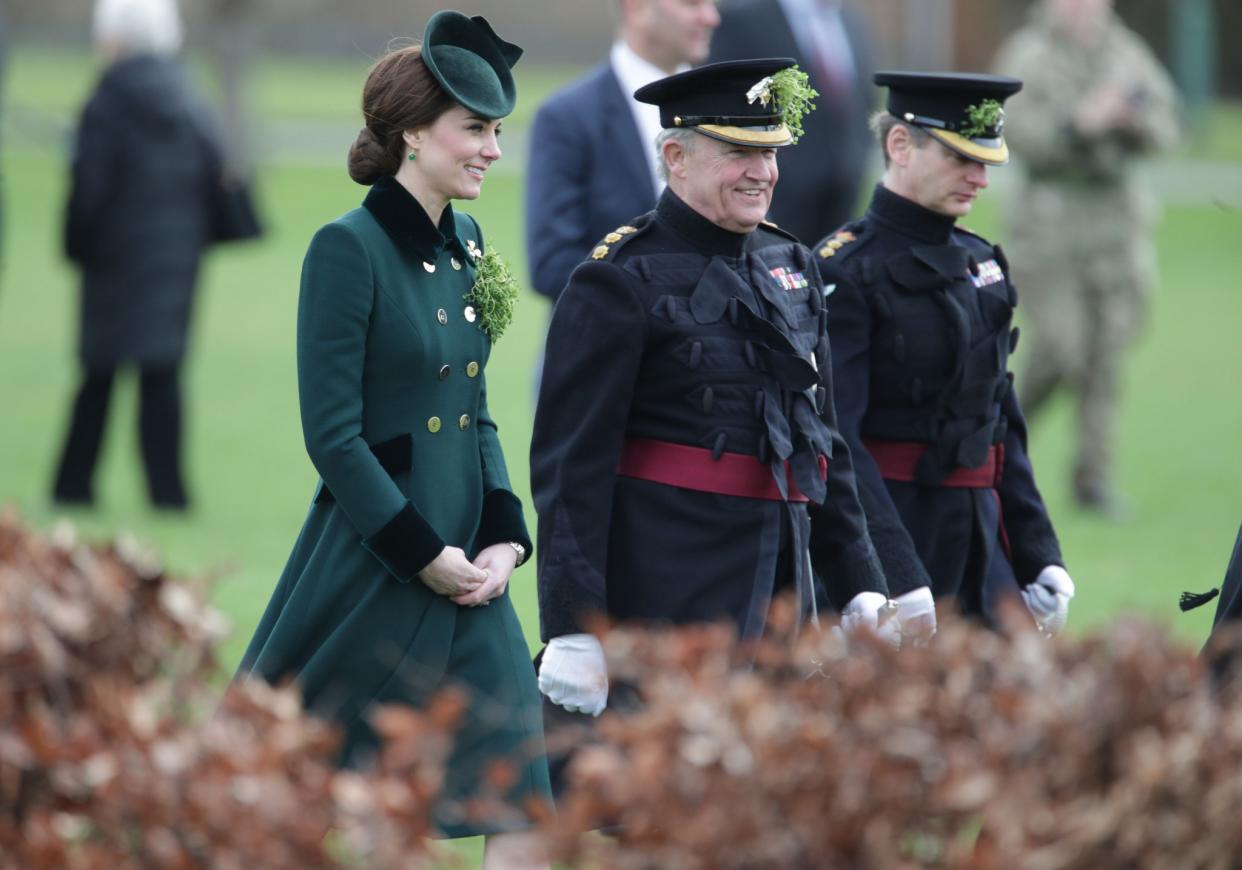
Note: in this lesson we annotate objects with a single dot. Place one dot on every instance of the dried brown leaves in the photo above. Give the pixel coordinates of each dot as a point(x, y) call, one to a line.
point(980, 751)
point(116, 752)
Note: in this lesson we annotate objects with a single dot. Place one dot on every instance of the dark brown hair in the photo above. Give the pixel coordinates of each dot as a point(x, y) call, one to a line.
point(882, 123)
point(400, 94)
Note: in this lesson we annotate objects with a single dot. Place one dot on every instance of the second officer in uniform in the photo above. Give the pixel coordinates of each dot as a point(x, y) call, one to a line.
point(919, 314)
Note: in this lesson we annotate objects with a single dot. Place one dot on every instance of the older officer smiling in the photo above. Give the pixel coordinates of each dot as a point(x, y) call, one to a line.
point(685, 462)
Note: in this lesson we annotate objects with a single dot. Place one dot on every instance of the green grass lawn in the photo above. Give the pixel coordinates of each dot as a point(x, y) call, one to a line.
point(252, 481)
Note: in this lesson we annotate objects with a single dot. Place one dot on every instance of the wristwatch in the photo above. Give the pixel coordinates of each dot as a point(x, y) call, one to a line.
point(521, 552)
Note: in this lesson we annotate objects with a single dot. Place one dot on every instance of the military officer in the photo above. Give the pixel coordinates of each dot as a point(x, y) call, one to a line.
point(1096, 102)
point(685, 463)
point(919, 315)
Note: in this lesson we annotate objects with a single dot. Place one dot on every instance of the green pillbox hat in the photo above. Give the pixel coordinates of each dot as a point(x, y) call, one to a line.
point(471, 62)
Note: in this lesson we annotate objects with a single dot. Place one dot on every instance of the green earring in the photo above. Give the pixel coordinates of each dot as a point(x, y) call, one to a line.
point(413, 156)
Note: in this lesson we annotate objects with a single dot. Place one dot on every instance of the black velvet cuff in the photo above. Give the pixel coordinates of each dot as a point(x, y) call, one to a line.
point(855, 570)
point(405, 546)
point(903, 569)
point(1028, 564)
point(502, 521)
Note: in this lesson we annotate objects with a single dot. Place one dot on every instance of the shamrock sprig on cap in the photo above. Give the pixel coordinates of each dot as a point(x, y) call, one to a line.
point(987, 117)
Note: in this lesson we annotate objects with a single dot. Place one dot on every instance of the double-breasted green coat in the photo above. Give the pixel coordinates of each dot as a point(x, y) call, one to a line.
point(391, 363)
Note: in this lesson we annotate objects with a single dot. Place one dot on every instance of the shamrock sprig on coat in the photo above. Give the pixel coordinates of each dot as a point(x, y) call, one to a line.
point(494, 293)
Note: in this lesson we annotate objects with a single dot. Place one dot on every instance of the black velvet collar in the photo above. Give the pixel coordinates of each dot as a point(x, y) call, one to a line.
point(698, 230)
point(909, 218)
point(406, 221)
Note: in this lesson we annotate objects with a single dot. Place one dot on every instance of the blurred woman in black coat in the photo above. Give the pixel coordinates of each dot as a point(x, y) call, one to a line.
point(136, 225)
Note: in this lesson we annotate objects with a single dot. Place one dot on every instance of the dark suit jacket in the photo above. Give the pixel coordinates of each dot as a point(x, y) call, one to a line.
point(587, 174)
point(822, 175)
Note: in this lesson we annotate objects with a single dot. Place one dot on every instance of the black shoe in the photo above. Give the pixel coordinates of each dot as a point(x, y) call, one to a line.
point(1105, 503)
point(73, 498)
point(177, 502)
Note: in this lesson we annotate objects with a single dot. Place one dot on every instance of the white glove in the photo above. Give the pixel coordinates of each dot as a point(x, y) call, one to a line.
point(573, 674)
point(916, 614)
point(1048, 598)
point(874, 612)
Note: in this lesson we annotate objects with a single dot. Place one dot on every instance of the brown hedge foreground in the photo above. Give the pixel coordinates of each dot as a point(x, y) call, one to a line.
point(980, 751)
point(117, 749)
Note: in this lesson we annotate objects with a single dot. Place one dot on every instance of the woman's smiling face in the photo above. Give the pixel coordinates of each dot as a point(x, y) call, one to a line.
point(454, 152)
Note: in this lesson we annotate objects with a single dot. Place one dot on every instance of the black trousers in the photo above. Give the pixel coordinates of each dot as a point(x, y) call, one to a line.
point(159, 429)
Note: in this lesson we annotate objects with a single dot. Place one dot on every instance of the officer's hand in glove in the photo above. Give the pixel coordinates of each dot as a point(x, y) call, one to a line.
point(873, 611)
point(1048, 598)
point(573, 674)
point(916, 612)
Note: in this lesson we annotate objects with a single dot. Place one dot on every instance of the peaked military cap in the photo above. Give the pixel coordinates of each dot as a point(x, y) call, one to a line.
point(471, 62)
point(729, 101)
point(965, 111)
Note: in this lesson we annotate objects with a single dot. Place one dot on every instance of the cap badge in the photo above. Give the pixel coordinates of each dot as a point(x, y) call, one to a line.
point(761, 91)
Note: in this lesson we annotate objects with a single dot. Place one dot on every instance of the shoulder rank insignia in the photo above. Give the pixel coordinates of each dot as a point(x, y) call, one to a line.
point(601, 251)
point(836, 243)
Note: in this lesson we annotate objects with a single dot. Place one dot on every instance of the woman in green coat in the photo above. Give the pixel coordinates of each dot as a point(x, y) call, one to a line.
point(397, 585)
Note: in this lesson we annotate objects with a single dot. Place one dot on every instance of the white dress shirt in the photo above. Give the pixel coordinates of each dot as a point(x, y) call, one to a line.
point(634, 72)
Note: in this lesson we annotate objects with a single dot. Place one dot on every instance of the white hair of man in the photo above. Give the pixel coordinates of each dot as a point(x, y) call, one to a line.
point(682, 136)
point(125, 27)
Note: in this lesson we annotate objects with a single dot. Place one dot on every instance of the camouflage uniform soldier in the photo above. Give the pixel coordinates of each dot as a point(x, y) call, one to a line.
point(1078, 232)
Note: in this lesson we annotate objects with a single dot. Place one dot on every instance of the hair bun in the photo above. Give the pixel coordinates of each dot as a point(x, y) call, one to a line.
point(368, 160)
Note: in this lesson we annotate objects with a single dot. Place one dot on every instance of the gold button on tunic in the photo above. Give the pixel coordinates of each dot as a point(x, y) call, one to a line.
point(433, 425)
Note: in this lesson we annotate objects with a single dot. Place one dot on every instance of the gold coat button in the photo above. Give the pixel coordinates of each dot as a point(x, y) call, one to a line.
point(433, 425)
point(472, 369)
point(471, 314)
point(442, 316)
point(444, 372)
point(456, 264)
point(464, 423)
point(430, 267)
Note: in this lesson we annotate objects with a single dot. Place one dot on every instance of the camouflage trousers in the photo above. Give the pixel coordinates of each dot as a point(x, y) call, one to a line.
point(1082, 300)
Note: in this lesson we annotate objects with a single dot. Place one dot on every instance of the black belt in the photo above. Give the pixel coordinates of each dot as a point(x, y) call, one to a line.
point(394, 455)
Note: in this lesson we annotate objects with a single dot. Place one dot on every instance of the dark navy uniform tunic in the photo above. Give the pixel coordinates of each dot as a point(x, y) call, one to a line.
point(678, 331)
point(1223, 652)
point(919, 316)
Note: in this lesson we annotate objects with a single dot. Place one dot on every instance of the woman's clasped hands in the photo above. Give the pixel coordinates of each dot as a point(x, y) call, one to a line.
point(467, 583)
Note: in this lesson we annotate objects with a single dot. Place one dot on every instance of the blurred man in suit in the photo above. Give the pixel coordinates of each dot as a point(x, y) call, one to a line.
point(830, 41)
point(592, 163)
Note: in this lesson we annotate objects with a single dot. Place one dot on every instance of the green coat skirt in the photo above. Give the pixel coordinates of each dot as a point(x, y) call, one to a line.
point(391, 381)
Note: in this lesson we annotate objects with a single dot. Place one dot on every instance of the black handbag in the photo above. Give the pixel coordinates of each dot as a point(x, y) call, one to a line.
point(233, 215)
